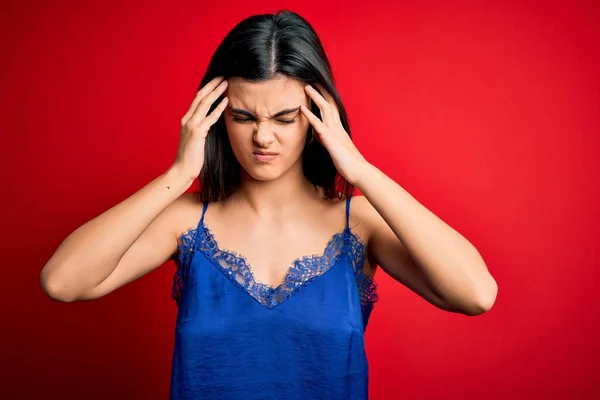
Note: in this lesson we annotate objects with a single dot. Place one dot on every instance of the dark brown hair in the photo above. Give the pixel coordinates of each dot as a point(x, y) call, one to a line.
point(259, 48)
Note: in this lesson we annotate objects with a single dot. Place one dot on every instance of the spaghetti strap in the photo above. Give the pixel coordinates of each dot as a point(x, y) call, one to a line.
point(203, 212)
point(348, 212)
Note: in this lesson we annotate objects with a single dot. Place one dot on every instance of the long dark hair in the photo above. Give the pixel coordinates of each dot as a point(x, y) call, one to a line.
point(257, 49)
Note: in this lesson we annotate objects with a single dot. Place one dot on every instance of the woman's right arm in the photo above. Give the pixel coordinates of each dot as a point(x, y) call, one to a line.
point(120, 245)
point(138, 234)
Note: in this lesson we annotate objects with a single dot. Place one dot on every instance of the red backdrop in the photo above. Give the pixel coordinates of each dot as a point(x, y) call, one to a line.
point(487, 112)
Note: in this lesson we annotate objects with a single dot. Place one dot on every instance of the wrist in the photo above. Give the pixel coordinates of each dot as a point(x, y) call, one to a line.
point(364, 173)
point(178, 176)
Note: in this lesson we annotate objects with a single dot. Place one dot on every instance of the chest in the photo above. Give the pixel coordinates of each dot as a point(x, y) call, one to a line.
point(269, 256)
point(210, 275)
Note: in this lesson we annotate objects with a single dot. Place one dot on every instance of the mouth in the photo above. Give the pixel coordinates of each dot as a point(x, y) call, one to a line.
point(264, 156)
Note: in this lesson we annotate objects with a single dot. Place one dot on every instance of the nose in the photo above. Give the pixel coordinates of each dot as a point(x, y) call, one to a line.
point(263, 135)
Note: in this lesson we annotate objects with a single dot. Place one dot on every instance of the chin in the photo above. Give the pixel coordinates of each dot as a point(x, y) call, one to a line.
point(263, 175)
point(261, 172)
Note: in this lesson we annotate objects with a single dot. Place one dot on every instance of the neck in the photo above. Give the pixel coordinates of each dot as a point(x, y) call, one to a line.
point(277, 197)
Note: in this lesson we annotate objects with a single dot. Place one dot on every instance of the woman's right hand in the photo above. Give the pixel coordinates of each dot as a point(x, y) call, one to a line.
point(195, 125)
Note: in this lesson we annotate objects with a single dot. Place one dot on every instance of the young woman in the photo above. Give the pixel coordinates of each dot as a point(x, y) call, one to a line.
point(275, 278)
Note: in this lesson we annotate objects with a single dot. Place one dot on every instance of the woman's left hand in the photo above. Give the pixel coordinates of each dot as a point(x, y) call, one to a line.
point(332, 135)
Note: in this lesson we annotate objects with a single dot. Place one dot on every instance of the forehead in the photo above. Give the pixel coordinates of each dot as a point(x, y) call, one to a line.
point(266, 97)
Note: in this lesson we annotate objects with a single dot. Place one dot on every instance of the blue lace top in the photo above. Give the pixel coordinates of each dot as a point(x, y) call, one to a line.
point(236, 338)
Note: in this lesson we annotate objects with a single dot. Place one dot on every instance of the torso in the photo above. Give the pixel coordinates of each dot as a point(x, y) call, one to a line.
point(271, 247)
point(303, 339)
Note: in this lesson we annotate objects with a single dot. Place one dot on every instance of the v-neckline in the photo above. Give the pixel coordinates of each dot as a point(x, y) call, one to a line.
point(297, 275)
point(211, 237)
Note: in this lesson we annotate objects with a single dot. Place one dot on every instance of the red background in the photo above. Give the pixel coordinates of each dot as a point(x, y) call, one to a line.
point(487, 112)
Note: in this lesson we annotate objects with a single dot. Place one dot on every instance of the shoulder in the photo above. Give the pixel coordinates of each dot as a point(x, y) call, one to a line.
point(185, 212)
point(186, 203)
point(363, 217)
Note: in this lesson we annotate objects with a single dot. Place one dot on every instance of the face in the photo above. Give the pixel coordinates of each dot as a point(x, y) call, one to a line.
point(266, 117)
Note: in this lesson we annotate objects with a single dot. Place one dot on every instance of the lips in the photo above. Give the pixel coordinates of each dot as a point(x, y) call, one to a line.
point(264, 156)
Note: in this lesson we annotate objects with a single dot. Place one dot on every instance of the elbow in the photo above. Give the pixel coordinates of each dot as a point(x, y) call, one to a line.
point(55, 288)
point(485, 299)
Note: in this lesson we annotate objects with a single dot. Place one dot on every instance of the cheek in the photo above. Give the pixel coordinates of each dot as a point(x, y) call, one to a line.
point(293, 135)
point(238, 132)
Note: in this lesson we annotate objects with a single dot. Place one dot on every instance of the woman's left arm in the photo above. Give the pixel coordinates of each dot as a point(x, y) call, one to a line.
point(405, 239)
point(418, 249)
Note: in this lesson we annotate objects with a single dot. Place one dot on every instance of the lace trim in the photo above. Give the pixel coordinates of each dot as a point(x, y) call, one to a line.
point(301, 272)
point(367, 287)
point(184, 257)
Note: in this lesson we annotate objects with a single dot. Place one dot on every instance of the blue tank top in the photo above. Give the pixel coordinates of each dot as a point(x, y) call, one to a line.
point(236, 338)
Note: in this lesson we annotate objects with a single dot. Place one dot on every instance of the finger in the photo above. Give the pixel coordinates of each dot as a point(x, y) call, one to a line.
point(209, 87)
point(206, 103)
point(329, 98)
point(201, 94)
point(323, 105)
point(326, 95)
point(317, 124)
point(214, 115)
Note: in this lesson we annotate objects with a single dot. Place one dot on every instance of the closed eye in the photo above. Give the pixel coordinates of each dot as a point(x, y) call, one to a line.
point(245, 120)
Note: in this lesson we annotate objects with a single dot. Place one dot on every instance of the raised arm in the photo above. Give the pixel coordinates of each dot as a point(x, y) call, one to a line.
point(139, 234)
point(120, 245)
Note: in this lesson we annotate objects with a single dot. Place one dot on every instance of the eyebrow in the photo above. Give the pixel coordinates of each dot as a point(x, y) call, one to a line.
point(250, 115)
